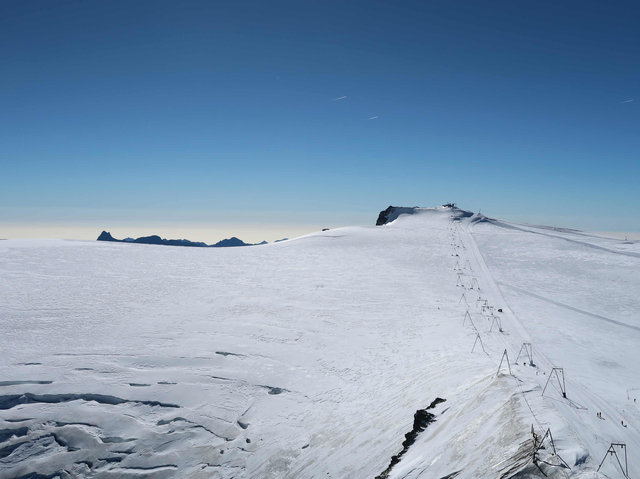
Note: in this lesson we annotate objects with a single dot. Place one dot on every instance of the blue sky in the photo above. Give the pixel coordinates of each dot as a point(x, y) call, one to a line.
point(154, 112)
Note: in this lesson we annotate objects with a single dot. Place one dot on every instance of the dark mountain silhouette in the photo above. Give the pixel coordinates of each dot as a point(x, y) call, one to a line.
point(106, 236)
point(154, 239)
point(233, 241)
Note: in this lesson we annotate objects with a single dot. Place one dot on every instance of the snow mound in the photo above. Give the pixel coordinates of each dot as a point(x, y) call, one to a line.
point(394, 212)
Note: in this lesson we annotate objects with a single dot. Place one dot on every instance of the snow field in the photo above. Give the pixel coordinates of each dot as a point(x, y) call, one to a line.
point(578, 434)
point(309, 358)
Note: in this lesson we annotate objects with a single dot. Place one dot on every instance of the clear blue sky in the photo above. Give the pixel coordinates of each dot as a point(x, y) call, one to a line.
point(205, 108)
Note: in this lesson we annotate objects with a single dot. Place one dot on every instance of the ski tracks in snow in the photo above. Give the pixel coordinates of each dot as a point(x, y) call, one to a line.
point(566, 306)
point(593, 435)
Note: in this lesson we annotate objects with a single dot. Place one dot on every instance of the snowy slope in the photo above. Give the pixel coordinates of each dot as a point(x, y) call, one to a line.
point(309, 357)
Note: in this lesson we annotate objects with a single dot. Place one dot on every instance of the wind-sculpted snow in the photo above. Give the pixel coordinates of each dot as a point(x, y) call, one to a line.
point(309, 358)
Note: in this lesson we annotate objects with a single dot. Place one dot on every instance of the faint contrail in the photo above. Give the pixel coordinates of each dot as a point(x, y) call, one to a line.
point(627, 101)
point(372, 118)
point(341, 98)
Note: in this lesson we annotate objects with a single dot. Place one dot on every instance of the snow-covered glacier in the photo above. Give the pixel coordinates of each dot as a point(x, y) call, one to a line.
point(490, 349)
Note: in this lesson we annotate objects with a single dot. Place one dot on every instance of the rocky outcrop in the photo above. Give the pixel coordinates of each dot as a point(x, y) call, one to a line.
point(392, 212)
point(421, 420)
point(383, 217)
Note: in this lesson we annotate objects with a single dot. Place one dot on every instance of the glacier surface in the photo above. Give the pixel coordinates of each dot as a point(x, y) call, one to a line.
point(309, 358)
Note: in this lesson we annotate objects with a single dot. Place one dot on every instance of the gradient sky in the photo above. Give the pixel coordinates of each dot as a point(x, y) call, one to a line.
point(151, 114)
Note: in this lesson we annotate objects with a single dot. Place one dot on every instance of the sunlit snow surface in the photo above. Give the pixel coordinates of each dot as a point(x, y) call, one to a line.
point(308, 358)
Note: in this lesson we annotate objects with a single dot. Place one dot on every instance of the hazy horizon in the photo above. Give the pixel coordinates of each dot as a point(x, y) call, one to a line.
point(271, 228)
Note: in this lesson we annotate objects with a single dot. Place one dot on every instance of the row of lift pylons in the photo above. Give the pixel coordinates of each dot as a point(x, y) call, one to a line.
point(617, 451)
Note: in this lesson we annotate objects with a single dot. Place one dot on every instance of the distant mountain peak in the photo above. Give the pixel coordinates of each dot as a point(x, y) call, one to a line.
point(106, 236)
point(233, 241)
point(157, 240)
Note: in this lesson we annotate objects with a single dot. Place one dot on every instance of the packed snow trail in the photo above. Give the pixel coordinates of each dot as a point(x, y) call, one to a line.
point(581, 438)
point(580, 406)
point(566, 306)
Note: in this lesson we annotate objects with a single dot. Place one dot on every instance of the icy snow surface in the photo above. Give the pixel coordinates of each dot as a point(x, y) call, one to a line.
point(308, 358)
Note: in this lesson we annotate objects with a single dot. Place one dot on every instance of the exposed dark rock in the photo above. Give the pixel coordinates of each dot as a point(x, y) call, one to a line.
point(383, 217)
point(392, 213)
point(421, 419)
